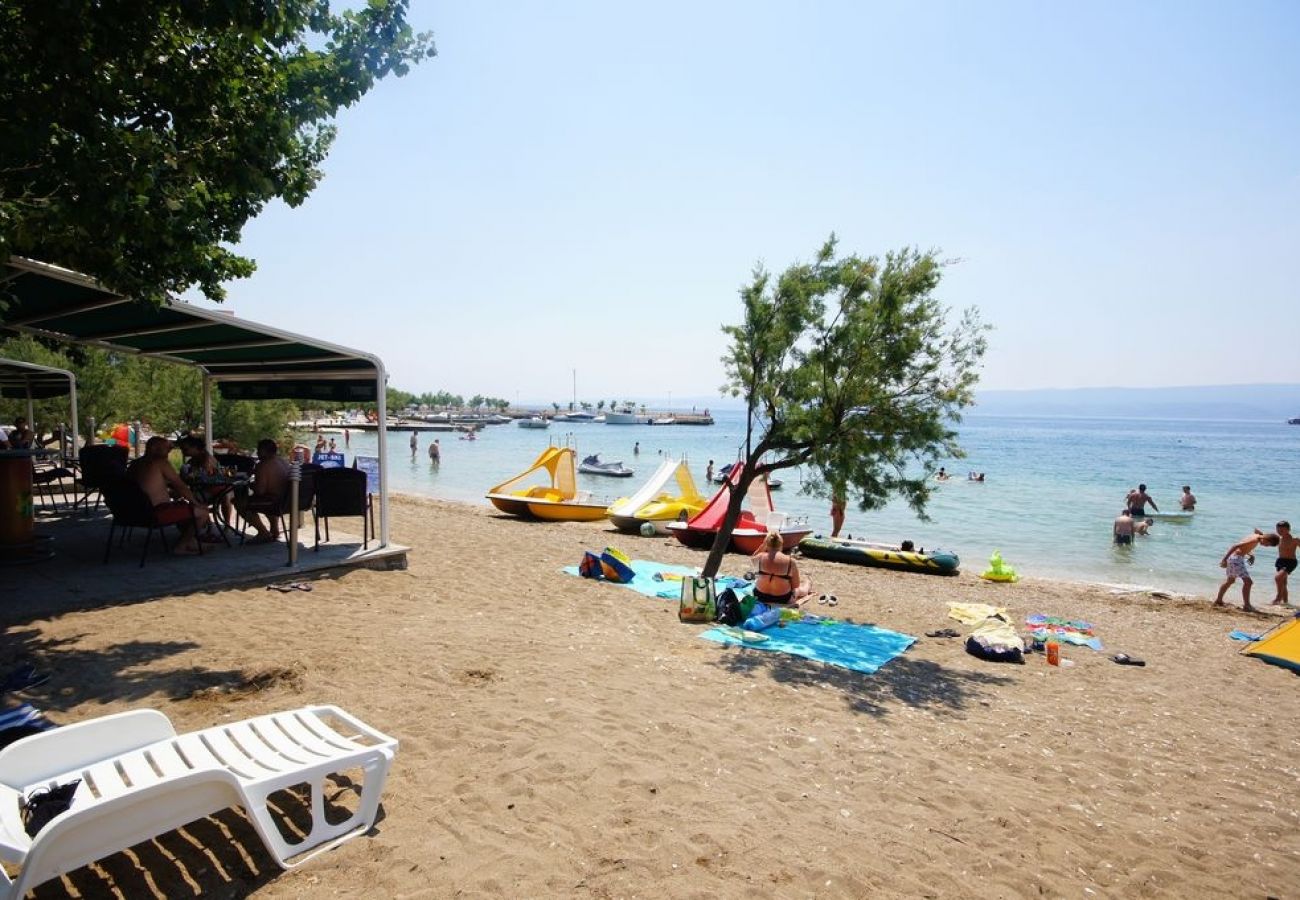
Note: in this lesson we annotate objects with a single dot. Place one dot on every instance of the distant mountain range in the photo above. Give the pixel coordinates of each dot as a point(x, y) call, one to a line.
point(1276, 402)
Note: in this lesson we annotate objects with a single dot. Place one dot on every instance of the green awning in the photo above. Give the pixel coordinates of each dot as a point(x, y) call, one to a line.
point(244, 359)
point(21, 380)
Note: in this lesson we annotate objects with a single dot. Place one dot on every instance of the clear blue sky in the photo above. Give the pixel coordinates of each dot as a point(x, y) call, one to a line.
point(585, 185)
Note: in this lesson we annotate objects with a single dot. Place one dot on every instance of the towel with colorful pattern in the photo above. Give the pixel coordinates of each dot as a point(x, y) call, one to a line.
point(1066, 631)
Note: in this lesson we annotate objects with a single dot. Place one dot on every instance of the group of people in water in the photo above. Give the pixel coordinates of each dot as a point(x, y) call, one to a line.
point(1238, 559)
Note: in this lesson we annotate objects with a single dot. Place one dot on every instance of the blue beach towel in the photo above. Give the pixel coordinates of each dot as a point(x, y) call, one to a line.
point(644, 582)
point(862, 648)
point(1244, 636)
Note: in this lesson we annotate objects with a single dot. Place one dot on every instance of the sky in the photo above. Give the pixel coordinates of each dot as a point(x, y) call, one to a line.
point(575, 191)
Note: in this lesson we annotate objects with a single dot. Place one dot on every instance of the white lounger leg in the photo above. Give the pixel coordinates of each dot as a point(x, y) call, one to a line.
point(323, 836)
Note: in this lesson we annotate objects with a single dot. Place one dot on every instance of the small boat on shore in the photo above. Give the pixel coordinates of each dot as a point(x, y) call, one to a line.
point(877, 555)
point(751, 527)
point(652, 502)
point(557, 501)
point(592, 465)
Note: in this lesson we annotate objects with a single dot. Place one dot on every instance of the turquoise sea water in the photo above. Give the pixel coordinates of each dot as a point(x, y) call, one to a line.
point(1053, 488)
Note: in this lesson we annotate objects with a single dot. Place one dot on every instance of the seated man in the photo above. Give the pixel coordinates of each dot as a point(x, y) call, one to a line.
point(21, 437)
point(156, 477)
point(270, 481)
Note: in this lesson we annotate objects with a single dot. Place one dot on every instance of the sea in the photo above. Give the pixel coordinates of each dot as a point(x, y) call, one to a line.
point(1052, 488)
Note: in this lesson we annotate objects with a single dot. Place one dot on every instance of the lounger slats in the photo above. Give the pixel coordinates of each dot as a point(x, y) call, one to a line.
point(310, 731)
point(137, 769)
point(264, 732)
point(167, 758)
point(106, 779)
point(200, 754)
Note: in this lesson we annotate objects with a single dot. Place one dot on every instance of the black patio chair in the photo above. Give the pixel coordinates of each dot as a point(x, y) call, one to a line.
point(132, 508)
point(98, 463)
point(306, 500)
point(342, 492)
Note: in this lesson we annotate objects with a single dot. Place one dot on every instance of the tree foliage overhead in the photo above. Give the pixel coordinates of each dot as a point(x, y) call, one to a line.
point(137, 137)
point(850, 368)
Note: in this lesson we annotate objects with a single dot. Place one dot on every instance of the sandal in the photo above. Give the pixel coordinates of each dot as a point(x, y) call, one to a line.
point(829, 600)
point(943, 633)
point(1125, 660)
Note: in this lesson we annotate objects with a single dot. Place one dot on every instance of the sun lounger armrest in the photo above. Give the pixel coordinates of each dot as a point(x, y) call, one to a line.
point(53, 753)
point(100, 829)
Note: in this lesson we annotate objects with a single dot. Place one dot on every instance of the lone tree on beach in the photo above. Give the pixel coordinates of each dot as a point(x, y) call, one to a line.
point(849, 368)
point(137, 139)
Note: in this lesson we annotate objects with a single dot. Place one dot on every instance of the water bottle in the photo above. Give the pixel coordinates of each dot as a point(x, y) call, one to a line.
point(762, 620)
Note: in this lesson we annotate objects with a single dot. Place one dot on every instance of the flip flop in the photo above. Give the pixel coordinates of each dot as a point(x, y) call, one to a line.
point(943, 633)
point(1125, 660)
point(829, 600)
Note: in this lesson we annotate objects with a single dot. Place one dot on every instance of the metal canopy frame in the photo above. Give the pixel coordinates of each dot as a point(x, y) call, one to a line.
point(20, 380)
point(242, 358)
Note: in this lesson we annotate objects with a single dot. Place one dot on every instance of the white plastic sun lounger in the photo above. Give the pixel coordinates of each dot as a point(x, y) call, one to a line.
point(139, 779)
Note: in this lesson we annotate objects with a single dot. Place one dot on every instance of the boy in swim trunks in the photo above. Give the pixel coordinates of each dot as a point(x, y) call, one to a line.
point(1238, 560)
point(1286, 561)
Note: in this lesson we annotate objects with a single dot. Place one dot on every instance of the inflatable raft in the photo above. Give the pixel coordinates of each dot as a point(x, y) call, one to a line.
point(884, 556)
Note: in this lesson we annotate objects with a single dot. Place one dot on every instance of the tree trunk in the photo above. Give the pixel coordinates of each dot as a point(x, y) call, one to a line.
point(723, 538)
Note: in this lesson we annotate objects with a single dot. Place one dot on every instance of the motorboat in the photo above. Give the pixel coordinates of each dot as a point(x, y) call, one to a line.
point(627, 417)
point(592, 465)
point(533, 422)
point(655, 504)
point(664, 420)
point(557, 500)
point(883, 556)
point(752, 526)
point(721, 477)
point(579, 416)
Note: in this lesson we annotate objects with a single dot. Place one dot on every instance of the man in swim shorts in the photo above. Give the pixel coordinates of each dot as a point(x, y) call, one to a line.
point(1238, 560)
point(1188, 500)
point(1137, 501)
point(1123, 529)
point(1286, 561)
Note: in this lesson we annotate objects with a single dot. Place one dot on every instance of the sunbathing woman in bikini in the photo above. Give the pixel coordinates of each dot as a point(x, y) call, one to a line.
point(778, 582)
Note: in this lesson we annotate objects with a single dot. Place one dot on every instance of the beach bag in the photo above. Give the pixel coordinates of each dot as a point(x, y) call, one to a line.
point(590, 566)
point(728, 612)
point(699, 603)
point(616, 566)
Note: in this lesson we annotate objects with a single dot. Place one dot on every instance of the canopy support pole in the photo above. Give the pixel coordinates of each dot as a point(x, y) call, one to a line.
point(381, 403)
point(207, 411)
point(73, 451)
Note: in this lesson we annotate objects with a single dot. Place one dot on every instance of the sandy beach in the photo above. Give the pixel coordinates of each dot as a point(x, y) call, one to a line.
point(564, 738)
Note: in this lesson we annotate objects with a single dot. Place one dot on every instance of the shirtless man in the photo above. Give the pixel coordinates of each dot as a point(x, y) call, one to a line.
point(156, 477)
point(270, 481)
point(1137, 501)
point(1188, 500)
point(1238, 560)
point(1123, 528)
point(1286, 561)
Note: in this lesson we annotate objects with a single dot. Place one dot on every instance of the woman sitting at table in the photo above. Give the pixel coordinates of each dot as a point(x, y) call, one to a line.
point(200, 466)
